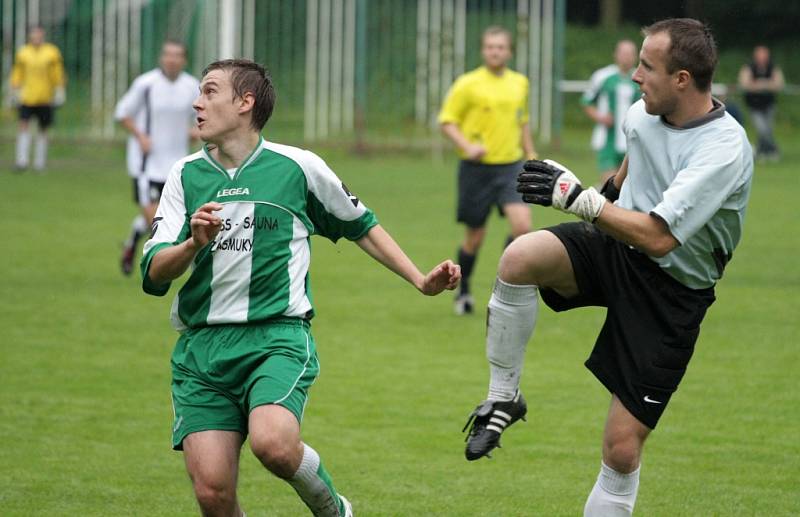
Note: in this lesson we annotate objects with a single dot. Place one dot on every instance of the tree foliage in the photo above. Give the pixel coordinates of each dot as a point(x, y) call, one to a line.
point(736, 23)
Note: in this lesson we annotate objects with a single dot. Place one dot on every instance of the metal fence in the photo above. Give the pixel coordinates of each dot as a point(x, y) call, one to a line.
point(365, 70)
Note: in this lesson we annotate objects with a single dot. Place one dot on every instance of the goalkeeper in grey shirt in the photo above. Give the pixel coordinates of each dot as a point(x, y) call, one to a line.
point(651, 248)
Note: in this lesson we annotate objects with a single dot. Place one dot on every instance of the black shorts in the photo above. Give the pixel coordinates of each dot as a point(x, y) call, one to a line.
point(482, 186)
point(145, 191)
point(651, 325)
point(44, 114)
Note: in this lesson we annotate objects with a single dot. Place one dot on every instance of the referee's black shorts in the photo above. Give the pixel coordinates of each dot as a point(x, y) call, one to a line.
point(652, 322)
point(482, 186)
point(44, 114)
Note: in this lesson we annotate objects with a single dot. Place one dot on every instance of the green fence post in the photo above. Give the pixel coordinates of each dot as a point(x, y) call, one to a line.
point(558, 71)
point(361, 75)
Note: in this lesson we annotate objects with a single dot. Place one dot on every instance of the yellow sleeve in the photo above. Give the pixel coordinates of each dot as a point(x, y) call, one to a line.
point(57, 75)
point(455, 103)
point(524, 115)
point(17, 72)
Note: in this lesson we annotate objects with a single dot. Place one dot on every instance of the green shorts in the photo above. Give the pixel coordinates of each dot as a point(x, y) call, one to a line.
point(220, 373)
point(608, 158)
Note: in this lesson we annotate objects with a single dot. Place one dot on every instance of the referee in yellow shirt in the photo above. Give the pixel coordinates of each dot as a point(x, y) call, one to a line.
point(37, 82)
point(485, 114)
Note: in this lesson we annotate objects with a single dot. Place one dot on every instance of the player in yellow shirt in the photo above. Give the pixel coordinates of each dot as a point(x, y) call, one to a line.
point(37, 82)
point(485, 114)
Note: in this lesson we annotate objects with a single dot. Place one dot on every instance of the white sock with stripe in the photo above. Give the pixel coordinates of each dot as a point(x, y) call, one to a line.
point(510, 322)
point(40, 152)
point(613, 495)
point(314, 486)
point(23, 148)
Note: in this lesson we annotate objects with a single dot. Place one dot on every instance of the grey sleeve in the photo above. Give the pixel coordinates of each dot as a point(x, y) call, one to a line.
point(712, 175)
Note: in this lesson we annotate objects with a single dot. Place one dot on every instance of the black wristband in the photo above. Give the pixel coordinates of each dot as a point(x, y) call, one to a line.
point(610, 190)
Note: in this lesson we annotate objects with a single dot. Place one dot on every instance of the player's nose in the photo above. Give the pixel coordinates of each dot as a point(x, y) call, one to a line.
point(637, 76)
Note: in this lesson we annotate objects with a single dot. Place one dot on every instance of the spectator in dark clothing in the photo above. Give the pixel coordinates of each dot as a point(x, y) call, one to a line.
point(760, 81)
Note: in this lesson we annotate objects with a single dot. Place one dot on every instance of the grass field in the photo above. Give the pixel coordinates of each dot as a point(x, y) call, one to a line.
point(85, 412)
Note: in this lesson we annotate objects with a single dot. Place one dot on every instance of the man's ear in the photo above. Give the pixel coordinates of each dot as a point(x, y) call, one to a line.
point(246, 102)
point(684, 79)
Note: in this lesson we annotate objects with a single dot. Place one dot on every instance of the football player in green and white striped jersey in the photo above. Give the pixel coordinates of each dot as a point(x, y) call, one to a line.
point(606, 102)
point(240, 213)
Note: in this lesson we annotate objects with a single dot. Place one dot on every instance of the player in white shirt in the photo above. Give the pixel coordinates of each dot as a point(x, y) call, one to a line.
point(157, 112)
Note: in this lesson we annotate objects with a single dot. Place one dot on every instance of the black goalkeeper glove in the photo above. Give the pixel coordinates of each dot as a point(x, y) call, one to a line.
point(548, 183)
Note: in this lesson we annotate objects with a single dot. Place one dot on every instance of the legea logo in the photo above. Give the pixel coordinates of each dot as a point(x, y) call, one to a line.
point(241, 191)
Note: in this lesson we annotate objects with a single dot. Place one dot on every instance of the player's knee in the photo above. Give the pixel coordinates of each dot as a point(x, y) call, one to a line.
point(213, 495)
point(622, 453)
point(514, 263)
point(276, 454)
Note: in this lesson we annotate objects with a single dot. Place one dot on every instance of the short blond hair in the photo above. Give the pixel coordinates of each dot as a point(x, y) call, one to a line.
point(494, 30)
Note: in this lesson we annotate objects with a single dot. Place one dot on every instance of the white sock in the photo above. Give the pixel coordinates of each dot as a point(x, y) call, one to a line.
point(138, 228)
point(613, 495)
point(313, 484)
point(510, 322)
point(40, 152)
point(23, 148)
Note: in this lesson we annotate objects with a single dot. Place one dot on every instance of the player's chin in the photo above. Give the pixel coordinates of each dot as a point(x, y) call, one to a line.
point(205, 134)
point(650, 107)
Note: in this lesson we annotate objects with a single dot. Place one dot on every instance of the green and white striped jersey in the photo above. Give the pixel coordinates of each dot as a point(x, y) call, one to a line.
point(257, 267)
point(615, 95)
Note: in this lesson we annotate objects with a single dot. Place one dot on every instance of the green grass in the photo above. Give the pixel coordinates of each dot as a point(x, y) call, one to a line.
point(85, 411)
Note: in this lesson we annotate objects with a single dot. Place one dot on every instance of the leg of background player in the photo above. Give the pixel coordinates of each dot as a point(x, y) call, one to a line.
point(149, 212)
point(212, 460)
point(275, 441)
point(138, 229)
point(614, 493)
point(23, 144)
point(467, 255)
point(519, 219)
point(40, 150)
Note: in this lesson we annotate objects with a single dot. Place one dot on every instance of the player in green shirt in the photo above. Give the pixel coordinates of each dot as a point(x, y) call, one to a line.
point(606, 101)
point(240, 213)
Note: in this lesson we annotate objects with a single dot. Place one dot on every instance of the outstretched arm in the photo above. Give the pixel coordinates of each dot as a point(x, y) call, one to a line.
point(379, 245)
